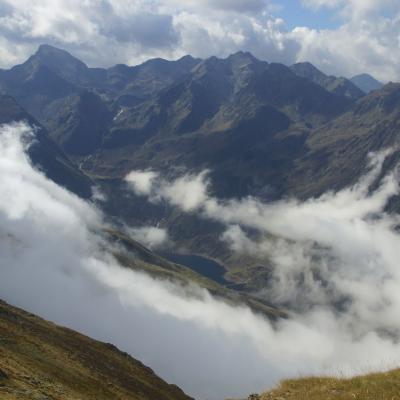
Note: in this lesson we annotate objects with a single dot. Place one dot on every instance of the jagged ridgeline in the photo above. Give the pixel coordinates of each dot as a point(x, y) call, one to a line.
point(253, 124)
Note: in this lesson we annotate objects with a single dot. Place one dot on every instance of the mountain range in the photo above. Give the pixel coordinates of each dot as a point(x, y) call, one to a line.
point(260, 129)
point(216, 113)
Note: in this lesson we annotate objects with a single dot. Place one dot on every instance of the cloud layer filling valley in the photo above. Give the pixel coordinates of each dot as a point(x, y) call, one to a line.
point(52, 263)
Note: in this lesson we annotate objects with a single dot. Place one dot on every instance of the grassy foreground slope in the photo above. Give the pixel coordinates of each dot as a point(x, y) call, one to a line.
point(40, 360)
point(382, 386)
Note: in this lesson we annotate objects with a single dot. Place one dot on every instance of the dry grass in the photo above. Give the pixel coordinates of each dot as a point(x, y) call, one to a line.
point(383, 386)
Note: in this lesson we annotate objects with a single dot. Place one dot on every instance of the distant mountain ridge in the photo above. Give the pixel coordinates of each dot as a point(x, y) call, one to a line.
point(67, 75)
point(340, 86)
point(367, 83)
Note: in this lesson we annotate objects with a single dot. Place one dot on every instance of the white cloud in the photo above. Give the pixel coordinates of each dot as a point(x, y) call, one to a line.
point(141, 181)
point(131, 32)
point(335, 253)
point(119, 31)
point(188, 192)
point(150, 236)
point(370, 45)
point(367, 40)
point(98, 195)
point(94, 30)
point(52, 263)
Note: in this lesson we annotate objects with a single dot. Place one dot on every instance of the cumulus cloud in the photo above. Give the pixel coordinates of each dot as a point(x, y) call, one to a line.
point(93, 30)
point(98, 195)
point(141, 181)
point(150, 236)
point(334, 258)
point(187, 192)
point(131, 32)
point(367, 40)
point(55, 264)
point(369, 45)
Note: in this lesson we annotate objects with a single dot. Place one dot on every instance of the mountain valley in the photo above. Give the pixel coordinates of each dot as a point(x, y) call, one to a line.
point(241, 166)
point(259, 129)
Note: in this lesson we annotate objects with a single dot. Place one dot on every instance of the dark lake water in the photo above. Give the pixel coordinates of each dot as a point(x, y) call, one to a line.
point(204, 266)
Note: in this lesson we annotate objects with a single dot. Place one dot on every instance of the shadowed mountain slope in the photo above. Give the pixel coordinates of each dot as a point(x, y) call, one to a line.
point(244, 119)
point(239, 117)
point(337, 152)
point(44, 153)
point(340, 86)
point(300, 163)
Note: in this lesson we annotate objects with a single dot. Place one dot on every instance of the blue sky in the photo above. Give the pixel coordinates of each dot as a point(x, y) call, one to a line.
point(295, 14)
